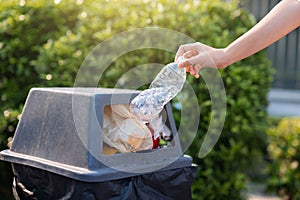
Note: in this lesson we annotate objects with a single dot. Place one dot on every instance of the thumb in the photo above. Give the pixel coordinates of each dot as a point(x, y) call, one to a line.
point(186, 57)
point(186, 62)
point(190, 54)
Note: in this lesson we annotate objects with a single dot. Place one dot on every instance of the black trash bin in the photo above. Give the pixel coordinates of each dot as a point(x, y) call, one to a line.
point(58, 152)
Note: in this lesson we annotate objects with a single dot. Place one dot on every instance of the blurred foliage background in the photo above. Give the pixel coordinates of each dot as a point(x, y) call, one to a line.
point(43, 43)
point(283, 149)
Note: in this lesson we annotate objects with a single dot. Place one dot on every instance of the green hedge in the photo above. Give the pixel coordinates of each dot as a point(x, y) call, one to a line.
point(283, 148)
point(44, 44)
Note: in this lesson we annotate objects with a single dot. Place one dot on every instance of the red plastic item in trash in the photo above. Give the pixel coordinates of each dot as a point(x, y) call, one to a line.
point(155, 141)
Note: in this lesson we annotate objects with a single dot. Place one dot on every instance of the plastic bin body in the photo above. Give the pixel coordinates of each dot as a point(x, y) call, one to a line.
point(60, 134)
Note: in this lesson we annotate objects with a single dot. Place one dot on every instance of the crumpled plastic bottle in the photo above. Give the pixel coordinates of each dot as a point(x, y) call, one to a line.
point(167, 84)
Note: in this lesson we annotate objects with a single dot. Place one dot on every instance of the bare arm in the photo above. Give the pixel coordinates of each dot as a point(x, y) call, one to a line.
point(281, 20)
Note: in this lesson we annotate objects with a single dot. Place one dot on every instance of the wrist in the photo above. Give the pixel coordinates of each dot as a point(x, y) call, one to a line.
point(222, 59)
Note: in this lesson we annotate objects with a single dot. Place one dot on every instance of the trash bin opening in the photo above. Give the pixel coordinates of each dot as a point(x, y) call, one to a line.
point(122, 133)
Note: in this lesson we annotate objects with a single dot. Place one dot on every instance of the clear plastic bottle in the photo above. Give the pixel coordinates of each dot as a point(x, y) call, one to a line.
point(166, 85)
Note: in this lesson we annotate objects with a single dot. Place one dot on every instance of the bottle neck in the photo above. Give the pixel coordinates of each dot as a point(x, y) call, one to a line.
point(180, 58)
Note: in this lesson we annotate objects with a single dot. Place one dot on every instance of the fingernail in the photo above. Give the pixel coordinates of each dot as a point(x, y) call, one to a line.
point(190, 54)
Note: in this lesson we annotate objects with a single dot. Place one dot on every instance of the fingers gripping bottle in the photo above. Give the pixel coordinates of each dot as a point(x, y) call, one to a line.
point(166, 85)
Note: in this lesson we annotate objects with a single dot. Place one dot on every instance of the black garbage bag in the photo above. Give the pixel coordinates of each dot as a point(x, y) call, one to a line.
point(35, 184)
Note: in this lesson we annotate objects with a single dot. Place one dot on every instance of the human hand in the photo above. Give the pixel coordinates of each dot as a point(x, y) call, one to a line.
point(197, 56)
